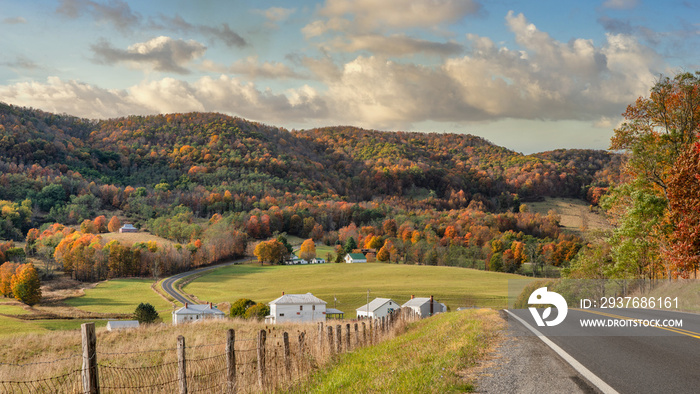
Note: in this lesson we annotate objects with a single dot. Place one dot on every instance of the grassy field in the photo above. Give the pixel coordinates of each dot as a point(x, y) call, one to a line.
point(434, 356)
point(349, 283)
point(121, 296)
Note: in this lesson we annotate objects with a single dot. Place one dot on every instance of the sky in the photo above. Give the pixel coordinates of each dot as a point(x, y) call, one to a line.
point(528, 75)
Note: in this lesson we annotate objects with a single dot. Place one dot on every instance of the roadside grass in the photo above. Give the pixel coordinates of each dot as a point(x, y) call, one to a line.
point(348, 283)
point(121, 296)
point(431, 357)
point(686, 290)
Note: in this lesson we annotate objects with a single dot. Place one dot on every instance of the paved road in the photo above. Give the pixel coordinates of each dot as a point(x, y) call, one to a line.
point(631, 359)
point(169, 283)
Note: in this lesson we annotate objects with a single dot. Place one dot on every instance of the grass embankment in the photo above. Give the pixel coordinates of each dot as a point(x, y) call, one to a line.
point(349, 283)
point(432, 357)
point(686, 290)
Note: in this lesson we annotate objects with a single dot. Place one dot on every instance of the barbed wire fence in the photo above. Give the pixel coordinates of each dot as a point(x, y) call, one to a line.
point(270, 361)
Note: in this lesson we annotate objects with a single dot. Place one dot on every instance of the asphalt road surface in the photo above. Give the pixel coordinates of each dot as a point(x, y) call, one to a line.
point(169, 283)
point(633, 358)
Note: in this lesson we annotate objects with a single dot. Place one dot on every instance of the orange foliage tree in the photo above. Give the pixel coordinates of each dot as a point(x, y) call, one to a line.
point(26, 286)
point(308, 250)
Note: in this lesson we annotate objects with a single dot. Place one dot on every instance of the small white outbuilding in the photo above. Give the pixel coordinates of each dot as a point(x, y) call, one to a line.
point(296, 308)
point(194, 312)
point(122, 324)
point(422, 306)
point(377, 308)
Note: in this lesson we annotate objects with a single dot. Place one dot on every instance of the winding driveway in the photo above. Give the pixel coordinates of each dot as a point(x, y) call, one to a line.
point(169, 283)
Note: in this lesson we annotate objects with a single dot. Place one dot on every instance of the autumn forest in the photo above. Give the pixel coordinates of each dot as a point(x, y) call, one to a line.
point(217, 186)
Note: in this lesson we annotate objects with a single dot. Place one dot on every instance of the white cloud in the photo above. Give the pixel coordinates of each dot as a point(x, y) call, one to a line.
point(160, 53)
point(274, 15)
point(252, 68)
point(394, 45)
point(370, 14)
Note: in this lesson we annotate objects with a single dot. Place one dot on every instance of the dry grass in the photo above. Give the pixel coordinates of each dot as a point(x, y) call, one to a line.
point(576, 215)
point(148, 354)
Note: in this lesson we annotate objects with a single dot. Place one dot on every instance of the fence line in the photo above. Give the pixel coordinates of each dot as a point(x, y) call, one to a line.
point(272, 361)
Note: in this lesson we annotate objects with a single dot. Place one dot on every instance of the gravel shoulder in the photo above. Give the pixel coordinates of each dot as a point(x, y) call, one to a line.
point(522, 363)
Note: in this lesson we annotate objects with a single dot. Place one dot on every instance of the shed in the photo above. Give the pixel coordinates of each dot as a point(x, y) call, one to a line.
point(422, 306)
point(297, 308)
point(121, 324)
point(377, 308)
point(128, 228)
point(196, 312)
point(355, 258)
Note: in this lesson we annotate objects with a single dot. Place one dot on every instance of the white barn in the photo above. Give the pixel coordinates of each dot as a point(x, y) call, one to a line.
point(422, 306)
point(193, 313)
point(296, 308)
point(377, 308)
point(113, 325)
point(355, 258)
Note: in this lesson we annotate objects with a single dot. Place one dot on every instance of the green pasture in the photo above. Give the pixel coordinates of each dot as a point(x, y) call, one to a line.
point(348, 283)
point(121, 296)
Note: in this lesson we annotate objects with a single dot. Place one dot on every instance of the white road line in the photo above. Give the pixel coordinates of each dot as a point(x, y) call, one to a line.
point(590, 376)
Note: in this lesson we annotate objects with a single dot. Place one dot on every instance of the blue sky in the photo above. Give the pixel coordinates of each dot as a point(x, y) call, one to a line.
point(528, 75)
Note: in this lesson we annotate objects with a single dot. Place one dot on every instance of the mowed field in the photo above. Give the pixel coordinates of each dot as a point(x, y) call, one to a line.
point(113, 296)
point(575, 214)
point(121, 296)
point(348, 283)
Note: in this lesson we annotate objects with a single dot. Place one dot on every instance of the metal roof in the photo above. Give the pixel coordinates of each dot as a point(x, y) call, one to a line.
point(357, 256)
point(375, 304)
point(333, 311)
point(307, 298)
point(198, 310)
point(418, 301)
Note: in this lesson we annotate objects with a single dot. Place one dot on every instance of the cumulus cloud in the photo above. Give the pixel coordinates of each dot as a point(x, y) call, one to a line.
point(14, 20)
point(161, 53)
point(369, 14)
point(223, 94)
point(116, 12)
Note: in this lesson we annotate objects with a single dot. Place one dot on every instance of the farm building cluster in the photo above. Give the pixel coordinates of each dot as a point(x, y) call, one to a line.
point(302, 308)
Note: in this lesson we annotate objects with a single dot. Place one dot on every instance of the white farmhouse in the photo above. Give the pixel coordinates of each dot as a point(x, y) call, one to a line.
point(296, 308)
point(378, 308)
point(355, 258)
point(425, 307)
point(192, 313)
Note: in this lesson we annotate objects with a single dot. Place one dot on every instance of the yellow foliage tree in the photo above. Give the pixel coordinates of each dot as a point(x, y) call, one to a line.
point(26, 286)
point(114, 224)
point(308, 250)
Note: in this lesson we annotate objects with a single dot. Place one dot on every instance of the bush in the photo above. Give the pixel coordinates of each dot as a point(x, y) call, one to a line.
point(239, 308)
point(26, 286)
point(257, 311)
point(145, 313)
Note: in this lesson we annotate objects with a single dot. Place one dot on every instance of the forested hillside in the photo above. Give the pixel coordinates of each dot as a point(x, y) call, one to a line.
point(215, 184)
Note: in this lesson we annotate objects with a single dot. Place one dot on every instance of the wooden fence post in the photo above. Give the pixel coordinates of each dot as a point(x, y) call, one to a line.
point(302, 342)
point(331, 345)
point(364, 334)
point(287, 357)
point(321, 333)
point(89, 341)
point(338, 338)
point(348, 346)
point(357, 336)
point(261, 359)
point(181, 365)
point(230, 361)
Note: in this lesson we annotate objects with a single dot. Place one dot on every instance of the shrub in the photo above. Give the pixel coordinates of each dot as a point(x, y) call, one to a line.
point(239, 308)
point(257, 311)
point(145, 313)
